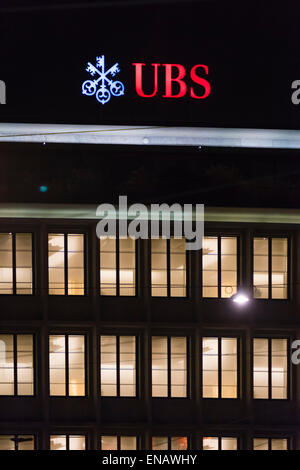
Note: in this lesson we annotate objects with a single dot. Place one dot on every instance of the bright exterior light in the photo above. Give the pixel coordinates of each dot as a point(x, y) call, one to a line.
point(43, 189)
point(240, 299)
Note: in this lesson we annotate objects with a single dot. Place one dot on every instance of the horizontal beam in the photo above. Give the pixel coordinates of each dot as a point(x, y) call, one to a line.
point(88, 212)
point(150, 135)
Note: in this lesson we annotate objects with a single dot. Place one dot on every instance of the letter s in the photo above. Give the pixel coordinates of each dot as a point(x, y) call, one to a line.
point(201, 81)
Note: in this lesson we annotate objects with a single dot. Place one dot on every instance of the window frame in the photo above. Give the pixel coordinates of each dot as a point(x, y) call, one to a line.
point(168, 270)
point(220, 437)
point(15, 358)
point(86, 372)
point(137, 363)
point(22, 434)
point(169, 437)
point(65, 233)
point(219, 236)
point(188, 366)
point(118, 436)
point(98, 267)
point(14, 267)
point(289, 369)
point(269, 439)
point(68, 434)
point(221, 336)
point(269, 236)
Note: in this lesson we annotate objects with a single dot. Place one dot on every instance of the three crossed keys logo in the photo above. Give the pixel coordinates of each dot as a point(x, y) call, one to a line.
point(103, 85)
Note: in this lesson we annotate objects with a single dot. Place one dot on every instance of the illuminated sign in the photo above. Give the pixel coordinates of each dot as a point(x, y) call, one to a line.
point(174, 74)
point(100, 85)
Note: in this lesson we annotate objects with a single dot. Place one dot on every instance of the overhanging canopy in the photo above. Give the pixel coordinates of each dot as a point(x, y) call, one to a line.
point(150, 135)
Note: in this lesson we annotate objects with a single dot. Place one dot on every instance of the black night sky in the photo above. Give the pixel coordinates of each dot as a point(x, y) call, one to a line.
point(251, 49)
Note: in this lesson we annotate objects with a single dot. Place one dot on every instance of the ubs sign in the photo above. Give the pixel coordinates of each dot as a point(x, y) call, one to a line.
point(104, 87)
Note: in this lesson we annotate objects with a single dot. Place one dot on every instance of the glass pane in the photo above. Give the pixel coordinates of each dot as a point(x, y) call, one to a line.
point(127, 366)
point(75, 264)
point(6, 443)
point(58, 442)
point(210, 351)
point(210, 443)
point(57, 364)
point(260, 268)
point(178, 267)
point(279, 268)
point(109, 443)
point(210, 267)
point(23, 263)
point(159, 366)
point(26, 442)
point(260, 368)
point(128, 443)
point(159, 267)
point(56, 264)
point(6, 260)
point(229, 367)
point(178, 367)
point(260, 444)
point(25, 372)
point(229, 443)
point(6, 365)
point(108, 365)
point(279, 368)
point(76, 365)
point(179, 443)
point(108, 274)
point(228, 266)
point(160, 443)
point(77, 442)
point(127, 266)
point(279, 444)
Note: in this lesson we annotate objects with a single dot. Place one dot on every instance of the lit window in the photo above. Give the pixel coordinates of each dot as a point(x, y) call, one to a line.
point(220, 443)
point(270, 368)
point(220, 367)
point(66, 264)
point(17, 442)
point(16, 365)
point(270, 444)
point(219, 266)
point(118, 366)
point(118, 443)
point(67, 442)
point(16, 263)
point(170, 443)
point(117, 266)
point(168, 267)
point(270, 268)
point(67, 365)
point(169, 366)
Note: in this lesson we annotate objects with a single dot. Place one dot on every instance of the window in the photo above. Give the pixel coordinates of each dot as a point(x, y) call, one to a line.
point(168, 267)
point(169, 366)
point(67, 365)
point(118, 443)
point(270, 268)
point(118, 366)
point(170, 443)
point(66, 264)
point(16, 365)
point(219, 266)
point(270, 368)
point(220, 443)
point(67, 442)
point(220, 367)
point(17, 442)
point(16, 263)
point(117, 266)
point(270, 444)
